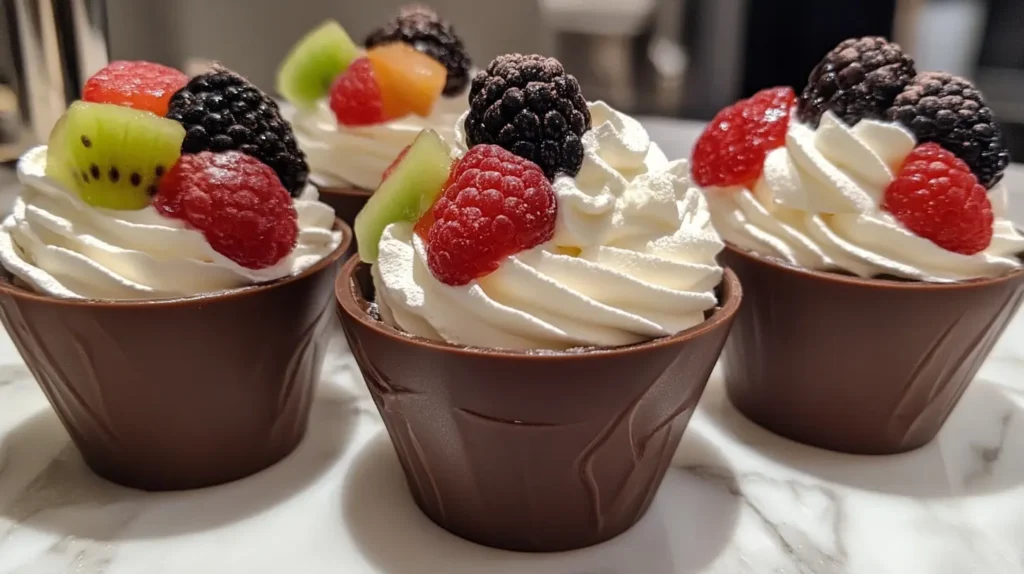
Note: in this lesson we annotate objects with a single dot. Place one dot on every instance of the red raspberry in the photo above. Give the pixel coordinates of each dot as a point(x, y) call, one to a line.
point(236, 201)
point(732, 149)
point(140, 85)
point(355, 96)
point(937, 197)
point(394, 164)
point(495, 204)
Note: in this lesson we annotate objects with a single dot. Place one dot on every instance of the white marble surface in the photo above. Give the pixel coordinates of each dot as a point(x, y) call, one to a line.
point(737, 500)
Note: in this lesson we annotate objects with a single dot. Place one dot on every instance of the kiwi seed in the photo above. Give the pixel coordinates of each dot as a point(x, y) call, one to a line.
point(86, 141)
point(95, 171)
point(136, 179)
point(151, 189)
point(85, 176)
point(114, 174)
point(159, 171)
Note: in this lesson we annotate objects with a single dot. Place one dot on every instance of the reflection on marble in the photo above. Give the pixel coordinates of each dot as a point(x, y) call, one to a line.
point(737, 500)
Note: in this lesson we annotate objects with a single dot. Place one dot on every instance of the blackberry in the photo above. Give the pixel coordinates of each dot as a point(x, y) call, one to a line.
point(222, 111)
point(421, 28)
point(857, 80)
point(951, 112)
point(531, 107)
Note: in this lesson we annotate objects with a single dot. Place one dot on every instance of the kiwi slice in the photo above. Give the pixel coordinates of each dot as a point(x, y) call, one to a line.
point(112, 156)
point(407, 193)
point(312, 65)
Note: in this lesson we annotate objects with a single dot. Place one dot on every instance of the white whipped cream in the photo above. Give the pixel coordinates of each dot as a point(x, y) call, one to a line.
point(340, 155)
point(817, 205)
point(59, 245)
point(645, 268)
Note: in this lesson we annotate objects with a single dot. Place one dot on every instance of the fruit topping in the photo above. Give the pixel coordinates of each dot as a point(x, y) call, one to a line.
point(936, 196)
point(140, 85)
point(222, 111)
point(409, 80)
point(355, 96)
point(236, 202)
point(495, 204)
point(531, 107)
point(408, 191)
point(112, 156)
point(950, 111)
point(732, 149)
point(857, 80)
point(394, 164)
point(423, 29)
point(314, 62)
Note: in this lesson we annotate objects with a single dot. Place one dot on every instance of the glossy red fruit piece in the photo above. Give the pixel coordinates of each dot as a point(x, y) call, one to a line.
point(135, 84)
point(355, 97)
point(496, 204)
point(236, 201)
point(732, 149)
point(936, 196)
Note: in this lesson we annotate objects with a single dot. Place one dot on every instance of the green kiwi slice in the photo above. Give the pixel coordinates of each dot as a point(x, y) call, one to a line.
point(112, 156)
point(412, 187)
point(312, 65)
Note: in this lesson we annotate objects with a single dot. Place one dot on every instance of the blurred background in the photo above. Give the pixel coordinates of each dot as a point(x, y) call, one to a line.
point(674, 58)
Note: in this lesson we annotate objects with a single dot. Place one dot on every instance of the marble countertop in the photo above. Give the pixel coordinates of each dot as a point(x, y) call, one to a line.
point(737, 499)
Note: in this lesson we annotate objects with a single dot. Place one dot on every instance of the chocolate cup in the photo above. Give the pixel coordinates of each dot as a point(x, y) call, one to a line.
point(182, 393)
point(864, 366)
point(346, 201)
point(532, 451)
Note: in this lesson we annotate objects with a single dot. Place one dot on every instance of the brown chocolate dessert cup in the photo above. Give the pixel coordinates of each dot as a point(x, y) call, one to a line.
point(180, 393)
point(532, 451)
point(864, 366)
point(346, 201)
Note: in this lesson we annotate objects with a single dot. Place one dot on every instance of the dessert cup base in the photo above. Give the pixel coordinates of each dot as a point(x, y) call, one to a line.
point(183, 393)
point(525, 451)
point(860, 366)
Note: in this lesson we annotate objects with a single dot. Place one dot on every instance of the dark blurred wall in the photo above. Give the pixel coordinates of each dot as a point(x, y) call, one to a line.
point(786, 38)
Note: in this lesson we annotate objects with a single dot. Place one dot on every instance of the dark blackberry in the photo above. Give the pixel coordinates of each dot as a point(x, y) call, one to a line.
point(531, 107)
point(423, 29)
point(857, 80)
point(222, 111)
point(951, 112)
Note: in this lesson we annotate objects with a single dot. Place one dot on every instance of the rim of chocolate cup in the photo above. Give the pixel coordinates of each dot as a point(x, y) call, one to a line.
point(869, 282)
point(732, 293)
point(9, 288)
point(348, 189)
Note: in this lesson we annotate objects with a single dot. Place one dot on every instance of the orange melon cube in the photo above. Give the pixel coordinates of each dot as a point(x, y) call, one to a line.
point(410, 81)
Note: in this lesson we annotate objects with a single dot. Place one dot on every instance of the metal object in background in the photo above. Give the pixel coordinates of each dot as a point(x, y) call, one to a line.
point(52, 47)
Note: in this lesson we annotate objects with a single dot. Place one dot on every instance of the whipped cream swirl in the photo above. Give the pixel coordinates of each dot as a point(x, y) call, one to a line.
point(817, 205)
point(340, 155)
point(632, 259)
point(61, 246)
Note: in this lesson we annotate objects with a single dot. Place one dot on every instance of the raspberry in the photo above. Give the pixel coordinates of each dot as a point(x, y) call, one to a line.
point(495, 204)
point(732, 149)
point(937, 197)
point(237, 202)
point(139, 85)
point(394, 164)
point(355, 96)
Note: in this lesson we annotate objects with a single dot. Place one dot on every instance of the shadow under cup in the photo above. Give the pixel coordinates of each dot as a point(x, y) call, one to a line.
point(865, 366)
point(532, 451)
point(183, 393)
